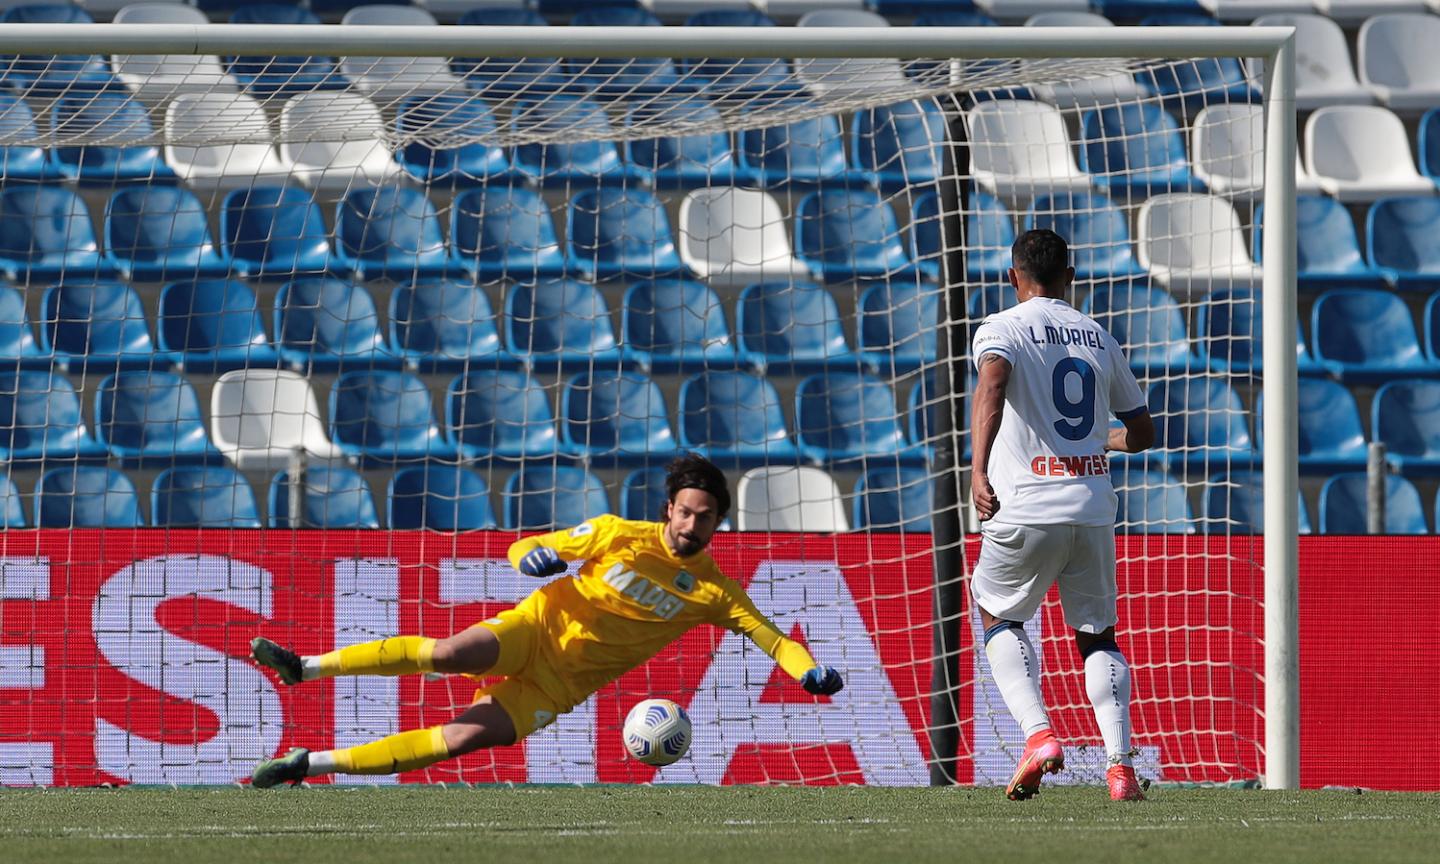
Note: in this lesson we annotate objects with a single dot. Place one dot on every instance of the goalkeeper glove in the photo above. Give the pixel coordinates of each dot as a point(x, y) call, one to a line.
point(822, 681)
point(543, 561)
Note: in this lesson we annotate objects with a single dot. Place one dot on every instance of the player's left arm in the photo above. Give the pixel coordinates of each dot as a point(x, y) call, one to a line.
point(739, 615)
point(1128, 403)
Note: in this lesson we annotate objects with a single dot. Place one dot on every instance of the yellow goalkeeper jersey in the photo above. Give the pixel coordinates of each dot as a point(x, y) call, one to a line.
point(631, 598)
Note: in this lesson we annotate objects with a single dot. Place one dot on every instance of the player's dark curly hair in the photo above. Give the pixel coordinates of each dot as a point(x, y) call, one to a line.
point(692, 471)
point(1042, 255)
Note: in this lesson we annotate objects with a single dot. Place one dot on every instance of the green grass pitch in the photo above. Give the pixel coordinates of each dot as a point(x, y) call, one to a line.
point(691, 825)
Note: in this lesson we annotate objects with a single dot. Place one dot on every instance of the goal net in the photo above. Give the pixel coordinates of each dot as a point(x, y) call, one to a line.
point(297, 345)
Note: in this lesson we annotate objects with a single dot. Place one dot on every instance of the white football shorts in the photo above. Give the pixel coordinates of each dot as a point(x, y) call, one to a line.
point(1019, 563)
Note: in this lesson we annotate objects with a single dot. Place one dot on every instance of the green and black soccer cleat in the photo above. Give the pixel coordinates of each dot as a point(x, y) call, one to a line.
point(293, 767)
point(282, 660)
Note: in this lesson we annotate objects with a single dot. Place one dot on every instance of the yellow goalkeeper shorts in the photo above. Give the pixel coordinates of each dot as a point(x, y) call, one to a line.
point(530, 691)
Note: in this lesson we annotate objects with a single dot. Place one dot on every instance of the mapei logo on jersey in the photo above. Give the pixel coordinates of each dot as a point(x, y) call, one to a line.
point(1070, 466)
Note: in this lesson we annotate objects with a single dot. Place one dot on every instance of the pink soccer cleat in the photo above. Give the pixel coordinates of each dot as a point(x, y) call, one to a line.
point(1043, 755)
point(1122, 783)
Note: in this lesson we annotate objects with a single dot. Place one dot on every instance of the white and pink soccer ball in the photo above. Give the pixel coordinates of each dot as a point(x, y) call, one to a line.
point(657, 732)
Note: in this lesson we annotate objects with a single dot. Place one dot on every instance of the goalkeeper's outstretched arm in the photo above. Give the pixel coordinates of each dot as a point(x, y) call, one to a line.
point(743, 617)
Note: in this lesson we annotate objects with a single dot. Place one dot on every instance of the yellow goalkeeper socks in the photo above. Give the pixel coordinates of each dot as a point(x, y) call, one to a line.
point(398, 655)
point(405, 751)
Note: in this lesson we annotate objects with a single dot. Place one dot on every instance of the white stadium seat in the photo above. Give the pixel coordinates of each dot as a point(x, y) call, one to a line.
point(1068, 19)
point(98, 9)
point(732, 236)
point(394, 78)
point(1400, 60)
point(449, 10)
point(157, 78)
point(335, 141)
point(1093, 91)
point(1355, 11)
point(1359, 153)
point(856, 75)
point(1248, 10)
point(1021, 151)
point(259, 417)
point(1324, 74)
point(1227, 149)
point(1193, 244)
point(791, 10)
point(196, 122)
point(777, 498)
point(1019, 10)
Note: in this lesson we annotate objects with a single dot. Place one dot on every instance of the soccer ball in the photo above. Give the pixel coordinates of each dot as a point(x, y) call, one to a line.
point(657, 732)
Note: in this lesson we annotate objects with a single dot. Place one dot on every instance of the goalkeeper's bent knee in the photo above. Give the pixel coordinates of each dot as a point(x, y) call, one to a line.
point(398, 655)
point(393, 754)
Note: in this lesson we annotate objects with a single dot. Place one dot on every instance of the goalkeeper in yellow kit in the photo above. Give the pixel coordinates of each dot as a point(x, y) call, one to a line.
point(641, 586)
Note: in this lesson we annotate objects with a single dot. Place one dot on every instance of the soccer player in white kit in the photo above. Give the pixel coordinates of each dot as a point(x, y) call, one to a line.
point(1050, 377)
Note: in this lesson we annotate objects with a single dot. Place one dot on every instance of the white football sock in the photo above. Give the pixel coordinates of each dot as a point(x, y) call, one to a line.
point(310, 668)
point(1012, 662)
point(1107, 680)
point(321, 762)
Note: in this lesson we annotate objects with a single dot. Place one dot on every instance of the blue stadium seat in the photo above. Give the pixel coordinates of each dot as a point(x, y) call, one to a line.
point(848, 234)
point(392, 232)
point(1235, 504)
point(989, 231)
point(1331, 437)
point(385, 417)
point(582, 161)
point(95, 324)
point(115, 118)
point(937, 13)
point(894, 498)
point(1134, 151)
point(1098, 233)
point(1125, 10)
point(508, 75)
point(898, 326)
point(1190, 85)
point(273, 232)
point(1403, 241)
point(728, 74)
point(203, 497)
point(794, 327)
point(1148, 324)
point(1151, 502)
point(160, 233)
point(446, 137)
point(550, 497)
point(1429, 144)
point(991, 299)
point(1431, 327)
point(53, 73)
point(282, 77)
point(441, 325)
point(804, 152)
point(684, 161)
point(12, 509)
point(616, 417)
point(635, 77)
point(1405, 417)
point(561, 323)
point(1343, 508)
point(850, 416)
point(213, 326)
point(40, 419)
point(733, 417)
point(616, 233)
point(330, 497)
point(1228, 329)
point(326, 323)
point(440, 498)
point(45, 233)
point(18, 348)
point(1364, 335)
point(901, 145)
point(86, 496)
point(605, 13)
point(1202, 424)
point(675, 325)
point(643, 495)
point(23, 161)
point(495, 413)
point(505, 232)
point(1327, 251)
point(152, 417)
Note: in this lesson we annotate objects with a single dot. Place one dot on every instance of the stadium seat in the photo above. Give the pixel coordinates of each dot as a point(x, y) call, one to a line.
point(1086, 91)
point(1360, 153)
point(159, 234)
point(726, 74)
point(385, 417)
point(441, 325)
point(332, 498)
point(86, 496)
point(849, 234)
point(1367, 336)
point(446, 141)
point(898, 326)
point(500, 414)
point(1405, 417)
point(46, 234)
point(1242, 11)
point(151, 417)
point(1227, 145)
point(1397, 59)
point(128, 154)
point(1192, 243)
point(325, 323)
point(18, 348)
point(1191, 85)
point(616, 418)
point(390, 232)
point(195, 121)
point(1020, 150)
point(550, 497)
point(1430, 328)
point(283, 77)
point(386, 79)
point(629, 78)
point(1202, 425)
point(1151, 502)
point(213, 325)
point(561, 323)
point(785, 498)
point(643, 495)
point(791, 328)
point(203, 497)
point(901, 145)
point(97, 323)
point(1235, 504)
point(1327, 251)
point(1343, 505)
point(806, 152)
point(1324, 73)
point(1231, 338)
point(733, 417)
point(923, 406)
point(1403, 241)
point(849, 417)
point(683, 161)
point(440, 498)
point(989, 233)
point(832, 78)
point(505, 76)
point(259, 418)
point(335, 141)
point(275, 232)
point(733, 236)
point(52, 73)
point(20, 162)
point(1097, 232)
point(40, 419)
point(12, 509)
point(1331, 437)
point(501, 232)
point(893, 498)
point(156, 78)
point(937, 13)
point(620, 233)
point(675, 325)
point(1134, 150)
point(1148, 324)
point(587, 156)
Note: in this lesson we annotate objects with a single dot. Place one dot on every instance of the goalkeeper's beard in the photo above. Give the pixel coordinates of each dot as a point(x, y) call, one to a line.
point(684, 544)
